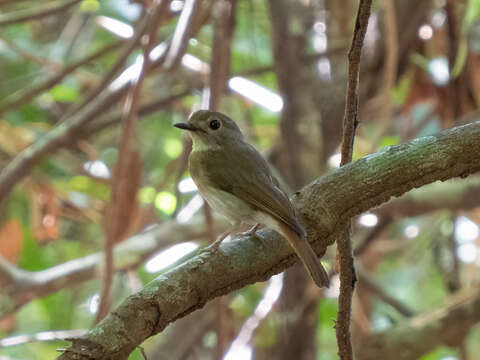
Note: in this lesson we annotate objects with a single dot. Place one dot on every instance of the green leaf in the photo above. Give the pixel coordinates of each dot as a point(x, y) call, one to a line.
point(64, 93)
point(400, 92)
point(146, 195)
point(166, 202)
point(85, 185)
point(472, 13)
point(173, 147)
point(89, 6)
point(32, 257)
point(440, 354)
point(389, 141)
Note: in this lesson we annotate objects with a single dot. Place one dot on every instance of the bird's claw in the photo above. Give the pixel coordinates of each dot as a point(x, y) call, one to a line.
point(250, 232)
point(212, 248)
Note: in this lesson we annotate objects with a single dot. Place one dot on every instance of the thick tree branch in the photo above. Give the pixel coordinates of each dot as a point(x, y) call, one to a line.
point(454, 194)
point(325, 206)
point(19, 287)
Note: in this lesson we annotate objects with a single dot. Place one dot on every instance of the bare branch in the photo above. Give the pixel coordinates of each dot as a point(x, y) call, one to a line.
point(223, 25)
point(307, 59)
point(369, 283)
point(49, 9)
point(182, 33)
point(455, 194)
point(125, 52)
point(344, 245)
point(123, 202)
point(25, 95)
point(58, 137)
point(325, 205)
point(28, 55)
point(19, 287)
point(448, 325)
point(41, 336)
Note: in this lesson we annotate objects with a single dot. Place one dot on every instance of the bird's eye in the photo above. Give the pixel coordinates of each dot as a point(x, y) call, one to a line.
point(214, 124)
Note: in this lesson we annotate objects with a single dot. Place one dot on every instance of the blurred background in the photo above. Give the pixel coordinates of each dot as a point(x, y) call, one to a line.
point(279, 69)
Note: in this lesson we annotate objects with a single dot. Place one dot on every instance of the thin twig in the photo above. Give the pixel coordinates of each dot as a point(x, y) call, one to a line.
point(182, 33)
point(307, 59)
point(127, 169)
point(62, 134)
point(49, 9)
point(456, 91)
point(389, 73)
point(58, 137)
point(26, 95)
point(122, 58)
point(452, 274)
point(365, 243)
point(370, 284)
point(350, 122)
point(21, 287)
point(7, 2)
point(28, 55)
point(221, 304)
point(223, 25)
point(391, 59)
point(41, 336)
point(143, 111)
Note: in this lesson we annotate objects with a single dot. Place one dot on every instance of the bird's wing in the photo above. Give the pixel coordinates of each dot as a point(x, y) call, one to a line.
point(253, 182)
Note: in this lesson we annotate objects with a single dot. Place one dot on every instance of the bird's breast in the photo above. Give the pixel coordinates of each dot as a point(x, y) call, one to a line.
point(226, 204)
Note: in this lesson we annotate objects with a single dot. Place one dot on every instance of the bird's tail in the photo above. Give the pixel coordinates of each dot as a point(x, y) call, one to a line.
point(307, 255)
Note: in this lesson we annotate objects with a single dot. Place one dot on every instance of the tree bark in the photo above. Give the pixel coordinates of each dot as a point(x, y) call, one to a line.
point(325, 206)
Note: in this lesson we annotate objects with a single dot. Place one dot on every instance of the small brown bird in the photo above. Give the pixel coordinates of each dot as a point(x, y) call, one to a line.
point(236, 182)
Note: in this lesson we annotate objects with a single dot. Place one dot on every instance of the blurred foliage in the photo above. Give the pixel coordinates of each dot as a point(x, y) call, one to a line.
point(56, 215)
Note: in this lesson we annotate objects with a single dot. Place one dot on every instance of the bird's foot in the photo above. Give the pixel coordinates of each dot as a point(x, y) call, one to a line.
point(212, 248)
point(250, 232)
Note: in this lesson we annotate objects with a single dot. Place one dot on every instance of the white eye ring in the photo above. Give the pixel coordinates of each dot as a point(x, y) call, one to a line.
point(214, 124)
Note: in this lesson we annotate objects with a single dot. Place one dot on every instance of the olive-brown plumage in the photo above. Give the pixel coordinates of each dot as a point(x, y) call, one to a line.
point(236, 182)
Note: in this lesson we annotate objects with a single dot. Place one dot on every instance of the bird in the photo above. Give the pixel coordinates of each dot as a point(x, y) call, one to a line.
point(236, 181)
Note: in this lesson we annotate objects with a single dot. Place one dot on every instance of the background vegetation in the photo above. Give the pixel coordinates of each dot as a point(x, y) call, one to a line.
point(90, 190)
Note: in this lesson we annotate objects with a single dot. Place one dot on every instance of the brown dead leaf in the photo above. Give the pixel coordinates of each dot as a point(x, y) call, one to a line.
point(45, 213)
point(14, 139)
point(7, 324)
point(123, 209)
point(11, 240)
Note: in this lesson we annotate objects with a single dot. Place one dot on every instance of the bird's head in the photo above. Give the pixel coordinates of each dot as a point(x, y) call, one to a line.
point(211, 128)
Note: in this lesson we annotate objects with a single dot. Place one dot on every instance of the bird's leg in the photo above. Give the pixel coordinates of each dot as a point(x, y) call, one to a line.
point(251, 231)
point(214, 246)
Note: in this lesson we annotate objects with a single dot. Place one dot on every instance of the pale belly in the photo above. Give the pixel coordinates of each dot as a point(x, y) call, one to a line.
point(237, 210)
point(227, 205)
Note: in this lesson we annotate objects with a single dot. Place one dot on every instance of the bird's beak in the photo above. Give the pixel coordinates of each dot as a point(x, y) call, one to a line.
point(186, 126)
